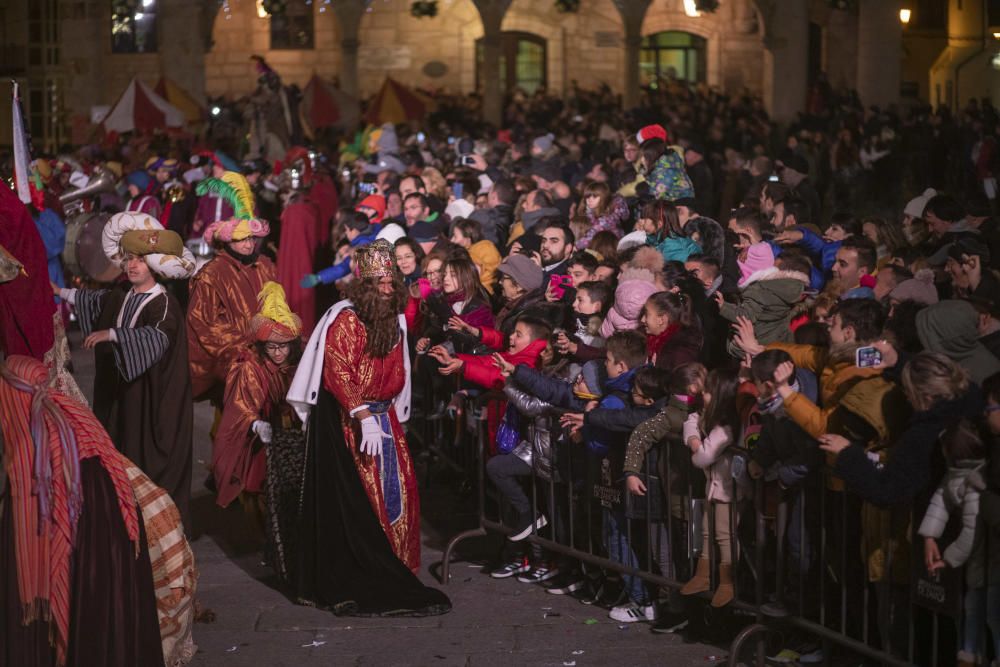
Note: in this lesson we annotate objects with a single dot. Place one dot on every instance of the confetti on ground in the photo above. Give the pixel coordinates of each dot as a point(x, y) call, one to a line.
point(551, 614)
point(580, 652)
point(571, 663)
point(313, 644)
point(232, 649)
point(590, 621)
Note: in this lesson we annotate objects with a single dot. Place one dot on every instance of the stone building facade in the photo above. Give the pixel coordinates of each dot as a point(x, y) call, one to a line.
point(769, 47)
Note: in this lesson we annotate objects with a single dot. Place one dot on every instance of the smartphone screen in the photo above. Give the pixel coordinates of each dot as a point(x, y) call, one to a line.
point(868, 357)
point(457, 189)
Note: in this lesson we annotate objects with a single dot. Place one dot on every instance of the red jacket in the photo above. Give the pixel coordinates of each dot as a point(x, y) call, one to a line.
point(482, 371)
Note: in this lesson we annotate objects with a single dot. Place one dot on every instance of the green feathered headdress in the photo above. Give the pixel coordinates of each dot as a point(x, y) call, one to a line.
point(233, 188)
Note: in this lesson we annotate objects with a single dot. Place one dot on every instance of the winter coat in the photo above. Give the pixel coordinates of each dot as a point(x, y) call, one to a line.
point(667, 424)
point(781, 442)
point(955, 493)
point(681, 347)
point(950, 327)
point(714, 457)
point(668, 178)
point(536, 450)
point(635, 286)
point(610, 221)
point(674, 248)
point(551, 390)
point(838, 376)
point(475, 312)
point(482, 371)
point(767, 298)
point(907, 469)
point(495, 223)
point(599, 439)
point(486, 257)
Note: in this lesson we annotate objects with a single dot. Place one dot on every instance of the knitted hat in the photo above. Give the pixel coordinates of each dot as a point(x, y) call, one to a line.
point(522, 271)
point(594, 374)
point(544, 142)
point(919, 288)
point(375, 203)
point(275, 322)
point(759, 257)
point(915, 207)
point(139, 179)
point(652, 132)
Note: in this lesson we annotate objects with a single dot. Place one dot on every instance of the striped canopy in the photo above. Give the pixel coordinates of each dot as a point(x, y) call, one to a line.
point(395, 103)
point(193, 111)
point(140, 109)
point(325, 105)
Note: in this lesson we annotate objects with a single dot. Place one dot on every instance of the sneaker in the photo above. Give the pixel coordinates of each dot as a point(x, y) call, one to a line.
point(538, 575)
point(632, 613)
point(516, 566)
point(523, 529)
point(776, 609)
point(812, 657)
point(785, 656)
point(566, 584)
point(670, 622)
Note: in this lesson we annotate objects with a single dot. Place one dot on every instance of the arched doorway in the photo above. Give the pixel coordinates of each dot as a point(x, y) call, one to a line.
point(523, 61)
point(672, 53)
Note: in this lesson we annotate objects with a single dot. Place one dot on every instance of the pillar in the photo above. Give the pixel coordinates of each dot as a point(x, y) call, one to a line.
point(632, 12)
point(349, 13)
point(182, 50)
point(491, 13)
point(786, 44)
point(880, 52)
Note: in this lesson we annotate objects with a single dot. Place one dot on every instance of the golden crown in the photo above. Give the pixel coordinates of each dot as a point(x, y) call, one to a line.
point(376, 260)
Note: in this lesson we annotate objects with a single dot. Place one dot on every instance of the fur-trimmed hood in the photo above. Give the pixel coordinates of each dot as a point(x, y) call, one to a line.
point(774, 273)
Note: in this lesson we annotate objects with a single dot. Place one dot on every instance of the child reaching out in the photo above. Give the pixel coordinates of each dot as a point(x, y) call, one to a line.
point(966, 456)
point(709, 435)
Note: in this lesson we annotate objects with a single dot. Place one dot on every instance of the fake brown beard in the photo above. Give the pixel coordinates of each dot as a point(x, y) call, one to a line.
point(379, 313)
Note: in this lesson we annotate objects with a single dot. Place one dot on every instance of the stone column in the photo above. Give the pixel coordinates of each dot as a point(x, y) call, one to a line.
point(880, 52)
point(349, 13)
point(632, 12)
point(491, 13)
point(182, 50)
point(786, 43)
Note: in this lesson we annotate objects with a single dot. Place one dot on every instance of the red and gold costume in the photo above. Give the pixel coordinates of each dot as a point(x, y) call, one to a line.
point(356, 379)
point(223, 300)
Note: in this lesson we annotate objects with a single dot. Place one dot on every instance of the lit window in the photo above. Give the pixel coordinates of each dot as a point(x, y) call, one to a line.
point(133, 26)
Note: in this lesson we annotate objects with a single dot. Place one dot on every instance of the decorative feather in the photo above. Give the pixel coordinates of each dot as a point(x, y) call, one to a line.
point(274, 307)
point(228, 192)
point(239, 183)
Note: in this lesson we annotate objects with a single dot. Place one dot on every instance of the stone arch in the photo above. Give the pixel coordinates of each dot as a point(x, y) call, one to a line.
point(704, 26)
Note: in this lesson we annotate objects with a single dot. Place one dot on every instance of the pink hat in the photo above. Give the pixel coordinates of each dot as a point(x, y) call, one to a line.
point(759, 257)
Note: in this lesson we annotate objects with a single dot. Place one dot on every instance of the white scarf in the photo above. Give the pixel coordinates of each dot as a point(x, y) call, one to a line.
point(304, 390)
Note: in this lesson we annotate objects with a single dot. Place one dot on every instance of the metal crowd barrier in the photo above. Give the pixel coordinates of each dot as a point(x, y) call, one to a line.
point(895, 619)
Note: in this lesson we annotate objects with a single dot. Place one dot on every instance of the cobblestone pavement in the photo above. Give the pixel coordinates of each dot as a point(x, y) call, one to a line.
point(493, 622)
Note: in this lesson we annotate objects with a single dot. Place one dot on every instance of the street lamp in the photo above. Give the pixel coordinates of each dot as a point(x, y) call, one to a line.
point(904, 16)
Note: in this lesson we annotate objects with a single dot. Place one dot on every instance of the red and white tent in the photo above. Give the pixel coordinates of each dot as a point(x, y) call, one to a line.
point(140, 109)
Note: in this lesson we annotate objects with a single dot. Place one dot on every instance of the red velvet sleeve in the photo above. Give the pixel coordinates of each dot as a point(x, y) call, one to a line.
point(492, 338)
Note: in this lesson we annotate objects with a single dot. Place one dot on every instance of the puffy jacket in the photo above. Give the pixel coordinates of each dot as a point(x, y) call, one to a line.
point(611, 221)
point(674, 248)
point(486, 257)
point(668, 179)
point(495, 223)
point(955, 493)
point(342, 268)
point(714, 457)
point(634, 288)
point(482, 371)
point(767, 298)
point(536, 450)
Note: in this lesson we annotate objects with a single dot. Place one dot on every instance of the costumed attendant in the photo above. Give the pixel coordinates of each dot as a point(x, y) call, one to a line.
point(140, 184)
point(224, 292)
point(255, 410)
point(358, 538)
point(76, 585)
point(142, 392)
point(303, 233)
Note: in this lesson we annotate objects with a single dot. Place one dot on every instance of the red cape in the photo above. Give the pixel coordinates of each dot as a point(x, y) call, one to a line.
point(26, 303)
point(301, 238)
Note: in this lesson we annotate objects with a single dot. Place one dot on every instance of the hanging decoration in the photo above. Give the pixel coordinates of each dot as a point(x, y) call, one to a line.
point(424, 8)
point(568, 6)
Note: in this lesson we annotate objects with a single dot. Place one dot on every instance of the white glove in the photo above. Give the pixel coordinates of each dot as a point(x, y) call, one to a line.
point(263, 431)
point(371, 436)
